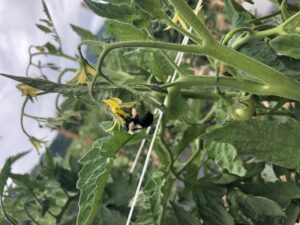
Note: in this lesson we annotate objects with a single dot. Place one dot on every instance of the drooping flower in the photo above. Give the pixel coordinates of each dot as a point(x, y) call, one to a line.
point(84, 73)
point(37, 144)
point(27, 90)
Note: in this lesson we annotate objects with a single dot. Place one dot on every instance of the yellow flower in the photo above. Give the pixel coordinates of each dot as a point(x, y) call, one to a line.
point(27, 90)
point(37, 144)
point(84, 73)
point(177, 19)
point(116, 108)
point(41, 49)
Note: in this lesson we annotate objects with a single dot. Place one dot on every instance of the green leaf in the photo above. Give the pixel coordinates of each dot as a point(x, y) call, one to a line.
point(184, 217)
point(66, 178)
point(6, 170)
point(124, 31)
point(112, 217)
point(259, 209)
point(160, 67)
point(51, 87)
point(46, 11)
point(152, 7)
point(266, 140)
point(284, 189)
point(25, 180)
point(210, 205)
point(297, 110)
point(44, 28)
point(236, 14)
point(262, 52)
point(288, 45)
point(190, 134)
point(149, 204)
point(177, 105)
point(120, 196)
point(83, 33)
point(96, 167)
point(121, 12)
point(226, 157)
point(47, 164)
point(119, 2)
point(280, 192)
point(292, 214)
point(292, 24)
point(51, 48)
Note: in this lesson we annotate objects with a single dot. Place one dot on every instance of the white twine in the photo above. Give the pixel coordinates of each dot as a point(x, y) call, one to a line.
point(170, 79)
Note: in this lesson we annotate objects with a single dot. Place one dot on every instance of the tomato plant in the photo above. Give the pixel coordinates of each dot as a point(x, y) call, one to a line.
point(207, 93)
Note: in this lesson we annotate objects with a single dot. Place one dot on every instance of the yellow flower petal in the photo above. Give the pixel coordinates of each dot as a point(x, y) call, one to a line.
point(37, 144)
point(128, 105)
point(113, 103)
point(83, 74)
point(89, 69)
point(27, 90)
point(177, 19)
point(117, 109)
point(113, 126)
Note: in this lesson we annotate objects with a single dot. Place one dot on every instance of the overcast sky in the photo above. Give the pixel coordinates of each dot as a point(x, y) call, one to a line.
point(17, 32)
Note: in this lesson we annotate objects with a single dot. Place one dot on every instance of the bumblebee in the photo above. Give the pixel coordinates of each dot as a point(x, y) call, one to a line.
point(134, 123)
point(127, 116)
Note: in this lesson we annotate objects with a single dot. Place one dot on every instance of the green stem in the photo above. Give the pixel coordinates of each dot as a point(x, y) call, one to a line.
point(22, 117)
point(30, 216)
point(193, 49)
point(284, 12)
point(63, 72)
point(255, 35)
point(55, 54)
point(277, 113)
point(276, 83)
point(64, 208)
point(189, 16)
point(230, 34)
point(190, 160)
point(36, 117)
point(8, 217)
point(173, 64)
point(166, 193)
point(24, 114)
point(227, 82)
point(275, 13)
point(209, 115)
point(204, 95)
point(181, 30)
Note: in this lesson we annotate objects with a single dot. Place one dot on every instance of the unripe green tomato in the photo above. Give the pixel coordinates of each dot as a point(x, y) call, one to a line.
point(244, 110)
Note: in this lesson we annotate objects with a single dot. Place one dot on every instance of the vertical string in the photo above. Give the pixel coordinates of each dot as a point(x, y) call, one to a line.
point(171, 79)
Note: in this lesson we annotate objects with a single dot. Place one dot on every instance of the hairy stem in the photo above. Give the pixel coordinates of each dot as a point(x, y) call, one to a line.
point(192, 49)
point(226, 82)
point(189, 16)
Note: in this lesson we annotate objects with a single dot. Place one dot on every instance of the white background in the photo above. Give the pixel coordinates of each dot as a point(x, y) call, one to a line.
point(17, 32)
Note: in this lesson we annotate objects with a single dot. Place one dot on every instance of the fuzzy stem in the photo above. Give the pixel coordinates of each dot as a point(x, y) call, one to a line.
point(189, 16)
point(192, 49)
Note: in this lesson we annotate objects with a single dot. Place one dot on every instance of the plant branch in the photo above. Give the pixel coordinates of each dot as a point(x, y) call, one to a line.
point(227, 82)
point(189, 16)
point(191, 36)
point(276, 83)
point(192, 49)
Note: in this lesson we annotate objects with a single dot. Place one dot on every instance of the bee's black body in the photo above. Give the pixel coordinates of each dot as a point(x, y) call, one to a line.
point(135, 123)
